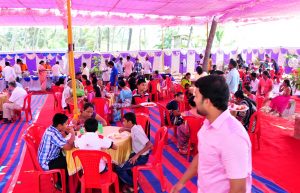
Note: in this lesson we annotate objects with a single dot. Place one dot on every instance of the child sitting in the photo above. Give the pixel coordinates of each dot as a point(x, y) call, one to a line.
point(91, 141)
point(140, 147)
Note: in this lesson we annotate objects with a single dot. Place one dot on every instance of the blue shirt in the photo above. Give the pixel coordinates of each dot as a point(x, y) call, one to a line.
point(113, 74)
point(50, 146)
point(233, 80)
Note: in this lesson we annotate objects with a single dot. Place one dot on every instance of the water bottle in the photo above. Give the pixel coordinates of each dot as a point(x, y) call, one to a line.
point(81, 130)
point(100, 127)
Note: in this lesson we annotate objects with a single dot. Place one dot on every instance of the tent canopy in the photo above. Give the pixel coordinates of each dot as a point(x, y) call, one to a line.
point(142, 12)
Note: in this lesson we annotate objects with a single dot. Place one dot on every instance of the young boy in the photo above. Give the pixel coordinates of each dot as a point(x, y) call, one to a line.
point(140, 147)
point(50, 150)
point(139, 96)
point(91, 141)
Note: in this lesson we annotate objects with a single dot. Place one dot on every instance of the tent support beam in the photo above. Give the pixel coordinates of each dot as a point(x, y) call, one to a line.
point(71, 59)
point(162, 49)
point(209, 43)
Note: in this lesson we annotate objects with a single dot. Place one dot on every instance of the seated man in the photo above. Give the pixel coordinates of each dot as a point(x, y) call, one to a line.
point(15, 101)
point(53, 142)
point(174, 107)
point(91, 141)
point(140, 147)
point(139, 96)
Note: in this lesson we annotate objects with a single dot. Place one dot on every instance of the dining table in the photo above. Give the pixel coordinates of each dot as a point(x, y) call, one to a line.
point(119, 156)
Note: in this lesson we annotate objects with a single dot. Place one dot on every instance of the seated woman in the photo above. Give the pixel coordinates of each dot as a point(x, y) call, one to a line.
point(173, 107)
point(244, 116)
point(280, 103)
point(247, 91)
point(87, 113)
point(88, 88)
point(183, 133)
point(186, 79)
point(125, 99)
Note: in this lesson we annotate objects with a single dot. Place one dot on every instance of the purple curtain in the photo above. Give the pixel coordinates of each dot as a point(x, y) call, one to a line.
point(226, 58)
point(11, 61)
point(214, 58)
point(288, 70)
point(275, 56)
point(182, 68)
point(167, 60)
point(31, 64)
point(142, 54)
point(52, 62)
point(249, 58)
point(77, 63)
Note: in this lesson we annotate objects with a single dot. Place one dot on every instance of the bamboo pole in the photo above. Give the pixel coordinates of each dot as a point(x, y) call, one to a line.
point(162, 49)
point(71, 59)
point(209, 43)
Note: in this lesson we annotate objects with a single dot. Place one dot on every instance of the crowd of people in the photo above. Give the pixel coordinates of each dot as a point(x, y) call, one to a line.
point(207, 96)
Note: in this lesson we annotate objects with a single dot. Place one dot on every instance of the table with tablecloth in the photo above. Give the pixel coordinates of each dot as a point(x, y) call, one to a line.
point(119, 156)
point(3, 98)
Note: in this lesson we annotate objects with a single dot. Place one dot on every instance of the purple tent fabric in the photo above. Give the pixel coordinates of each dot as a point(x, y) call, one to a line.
point(275, 56)
point(298, 51)
point(77, 63)
point(226, 58)
point(167, 60)
point(288, 70)
point(31, 64)
point(283, 50)
point(142, 54)
point(182, 68)
point(11, 61)
point(214, 58)
point(261, 56)
point(249, 58)
point(52, 62)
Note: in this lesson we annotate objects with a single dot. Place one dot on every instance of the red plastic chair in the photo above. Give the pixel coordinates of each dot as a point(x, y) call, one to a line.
point(165, 120)
point(144, 120)
point(102, 108)
point(259, 102)
point(194, 124)
point(255, 123)
point(57, 94)
point(152, 87)
point(91, 178)
point(167, 91)
point(33, 138)
point(26, 108)
point(155, 161)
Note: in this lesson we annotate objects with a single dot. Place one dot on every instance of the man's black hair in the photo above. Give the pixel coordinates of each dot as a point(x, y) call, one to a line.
point(84, 64)
point(91, 125)
point(233, 63)
point(214, 88)
point(130, 117)
point(140, 81)
point(59, 118)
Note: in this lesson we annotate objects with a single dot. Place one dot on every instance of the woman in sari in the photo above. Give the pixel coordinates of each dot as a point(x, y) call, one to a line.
point(125, 99)
point(42, 75)
point(280, 103)
point(265, 86)
point(186, 80)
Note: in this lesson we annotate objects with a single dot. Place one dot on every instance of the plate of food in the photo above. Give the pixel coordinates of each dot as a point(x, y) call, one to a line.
point(148, 104)
point(234, 107)
point(117, 135)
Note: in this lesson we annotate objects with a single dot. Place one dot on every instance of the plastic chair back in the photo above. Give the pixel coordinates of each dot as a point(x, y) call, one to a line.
point(164, 115)
point(259, 102)
point(254, 123)
point(178, 88)
point(144, 120)
point(159, 142)
point(101, 107)
point(90, 160)
point(55, 89)
point(33, 137)
point(27, 102)
point(194, 124)
point(152, 86)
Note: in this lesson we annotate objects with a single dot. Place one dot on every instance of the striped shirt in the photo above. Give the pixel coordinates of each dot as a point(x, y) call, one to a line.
point(50, 146)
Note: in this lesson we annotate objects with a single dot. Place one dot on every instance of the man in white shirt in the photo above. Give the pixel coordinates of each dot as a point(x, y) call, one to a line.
point(15, 101)
point(56, 70)
point(147, 68)
point(8, 73)
point(86, 70)
point(18, 71)
point(106, 72)
point(254, 83)
point(140, 147)
point(233, 77)
point(90, 140)
point(128, 66)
